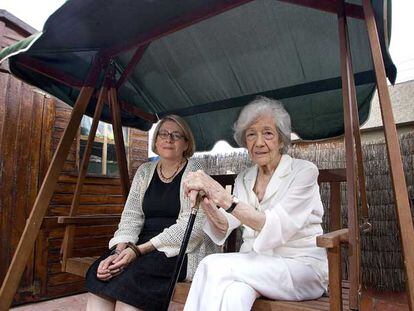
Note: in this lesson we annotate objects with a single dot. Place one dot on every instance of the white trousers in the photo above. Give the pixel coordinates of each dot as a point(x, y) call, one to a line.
point(233, 281)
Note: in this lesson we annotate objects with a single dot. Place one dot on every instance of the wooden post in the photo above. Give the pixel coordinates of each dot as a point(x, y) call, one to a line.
point(358, 144)
point(335, 277)
point(354, 239)
point(67, 244)
point(335, 206)
point(33, 223)
point(394, 154)
point(119, 141)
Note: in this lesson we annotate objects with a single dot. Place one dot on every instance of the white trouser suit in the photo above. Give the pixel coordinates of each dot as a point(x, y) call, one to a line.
point(281, 261)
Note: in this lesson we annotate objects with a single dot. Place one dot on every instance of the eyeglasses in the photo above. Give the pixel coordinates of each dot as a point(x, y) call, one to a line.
point(174, 136)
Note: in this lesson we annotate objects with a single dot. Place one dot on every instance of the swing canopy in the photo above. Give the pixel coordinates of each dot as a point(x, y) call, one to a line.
point(205, 59)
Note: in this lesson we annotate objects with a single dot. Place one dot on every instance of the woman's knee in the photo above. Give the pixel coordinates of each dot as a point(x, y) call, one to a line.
point(240, 296)
point(213, 264)
point(213, 258)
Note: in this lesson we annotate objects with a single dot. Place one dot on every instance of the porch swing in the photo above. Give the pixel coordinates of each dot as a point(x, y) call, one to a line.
point(132, 54)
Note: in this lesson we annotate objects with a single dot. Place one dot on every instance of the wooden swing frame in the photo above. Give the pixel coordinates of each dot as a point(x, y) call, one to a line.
point(354, 172)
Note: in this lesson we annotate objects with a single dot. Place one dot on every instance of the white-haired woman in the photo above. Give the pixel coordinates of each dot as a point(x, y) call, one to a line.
point(135, 272)
point(277, 202)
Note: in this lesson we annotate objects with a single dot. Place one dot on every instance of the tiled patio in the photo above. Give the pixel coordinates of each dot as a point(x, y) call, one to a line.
point(70, 303)
point(372, 300)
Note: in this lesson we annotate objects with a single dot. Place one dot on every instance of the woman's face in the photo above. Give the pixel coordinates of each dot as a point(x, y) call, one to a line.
point(170, 142)
point(263, 142)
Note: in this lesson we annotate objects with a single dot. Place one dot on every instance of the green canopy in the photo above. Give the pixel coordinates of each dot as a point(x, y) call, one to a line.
point(205, 59)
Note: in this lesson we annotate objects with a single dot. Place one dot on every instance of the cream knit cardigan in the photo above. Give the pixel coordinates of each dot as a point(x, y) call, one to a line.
point(168, 241)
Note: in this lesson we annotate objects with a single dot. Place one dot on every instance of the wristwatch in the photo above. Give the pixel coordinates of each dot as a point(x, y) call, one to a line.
point(234, 202)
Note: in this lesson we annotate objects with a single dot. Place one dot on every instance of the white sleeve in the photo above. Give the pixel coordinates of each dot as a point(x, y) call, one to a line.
point(289, 215)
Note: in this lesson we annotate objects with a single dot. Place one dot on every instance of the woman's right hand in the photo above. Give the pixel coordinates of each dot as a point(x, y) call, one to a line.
point(122, 261)
point(214, 216)
point(103, 273)
point(199, 180)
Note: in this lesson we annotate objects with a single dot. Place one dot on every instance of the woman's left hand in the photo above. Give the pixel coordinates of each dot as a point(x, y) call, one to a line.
point(197, 181)
point(122, 260)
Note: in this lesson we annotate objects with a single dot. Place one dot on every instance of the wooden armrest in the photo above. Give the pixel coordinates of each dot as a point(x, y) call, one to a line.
point(90, 219)
point(332, 175)
point(332, 239)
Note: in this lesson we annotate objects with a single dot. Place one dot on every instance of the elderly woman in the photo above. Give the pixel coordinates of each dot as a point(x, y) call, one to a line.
point(136, 270)
point(278, 203)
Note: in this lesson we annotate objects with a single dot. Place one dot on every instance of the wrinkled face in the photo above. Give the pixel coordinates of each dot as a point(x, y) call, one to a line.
point(170, 141)
point(263, 142)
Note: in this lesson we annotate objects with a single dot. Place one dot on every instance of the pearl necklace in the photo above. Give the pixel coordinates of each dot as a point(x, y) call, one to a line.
point(173, 175)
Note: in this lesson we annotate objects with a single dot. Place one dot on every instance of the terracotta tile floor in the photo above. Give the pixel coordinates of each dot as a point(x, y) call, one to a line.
point(384, 301)
point(372, 300)
point(70, 303)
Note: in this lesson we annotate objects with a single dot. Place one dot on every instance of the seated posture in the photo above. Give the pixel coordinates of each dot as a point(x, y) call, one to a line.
point(278, 203)
point(135, 272)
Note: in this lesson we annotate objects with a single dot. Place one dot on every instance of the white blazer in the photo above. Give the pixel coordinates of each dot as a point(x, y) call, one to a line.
point(293, 210)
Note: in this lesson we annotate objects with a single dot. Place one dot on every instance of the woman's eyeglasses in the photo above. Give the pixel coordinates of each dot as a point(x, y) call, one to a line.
point(174, 136)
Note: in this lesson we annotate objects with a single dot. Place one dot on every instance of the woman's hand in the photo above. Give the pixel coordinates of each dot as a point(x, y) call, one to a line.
point(196, 181)
point(215, 217)
point(121, 261)
point(103, 273)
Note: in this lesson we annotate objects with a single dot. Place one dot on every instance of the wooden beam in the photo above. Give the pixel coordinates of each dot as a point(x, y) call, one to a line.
point(354, 239)
point(69, 80)
point(138, 112)
point(104, 159)
point(33, 223)
point(68, 238)
point(131, 65)
point(358, 146)
point(335, 278)
point(46, 70)
point(333, 239)
point(351, 10)
point(119, 141)
point(358, 143)
point(331, 175)
point(394, 154)
point(335, 222)
point(90, 219)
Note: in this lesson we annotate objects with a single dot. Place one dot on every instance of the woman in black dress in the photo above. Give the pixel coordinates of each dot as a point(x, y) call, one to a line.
point(136, 270)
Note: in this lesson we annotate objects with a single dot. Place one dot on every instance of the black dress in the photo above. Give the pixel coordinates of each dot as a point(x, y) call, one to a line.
point(144, 282)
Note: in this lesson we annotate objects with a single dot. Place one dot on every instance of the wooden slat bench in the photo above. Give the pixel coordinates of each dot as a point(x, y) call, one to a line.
point(263, 304)
point(79, 265)
point(332, 241)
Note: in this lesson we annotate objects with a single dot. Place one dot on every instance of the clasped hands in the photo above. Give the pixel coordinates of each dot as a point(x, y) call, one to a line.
point(115, 264)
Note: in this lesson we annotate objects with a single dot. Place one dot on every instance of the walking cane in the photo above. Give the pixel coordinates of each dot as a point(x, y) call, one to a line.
point(183, 248)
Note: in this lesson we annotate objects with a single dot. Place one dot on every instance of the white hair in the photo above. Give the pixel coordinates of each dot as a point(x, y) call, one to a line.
point(259, 107)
